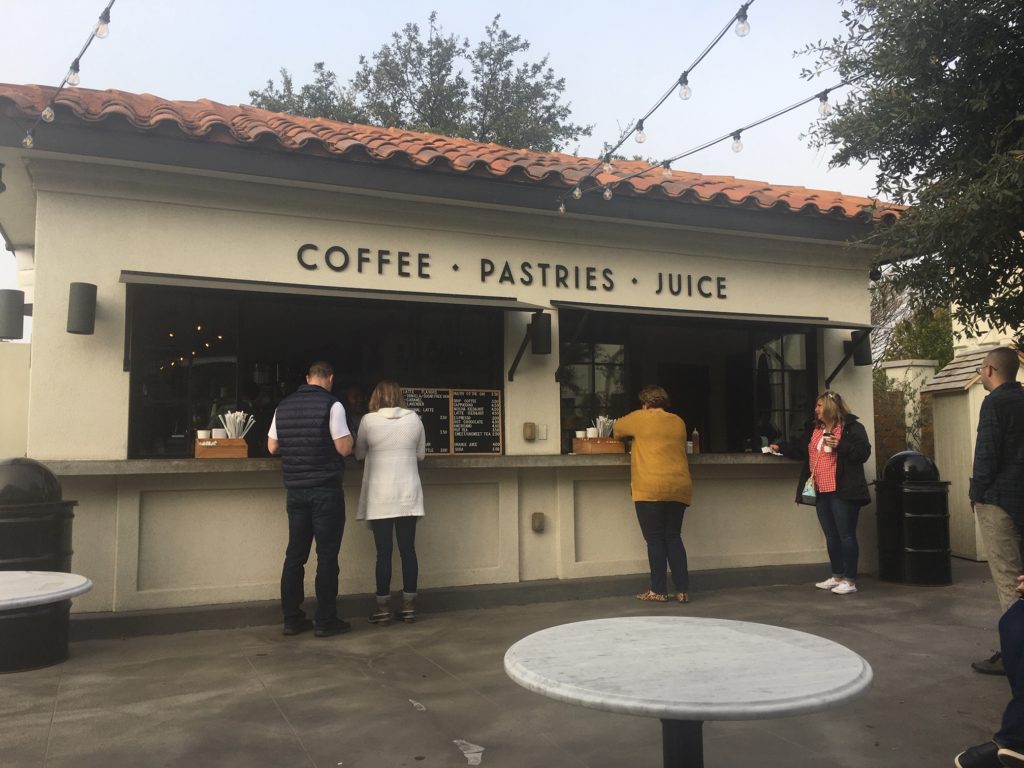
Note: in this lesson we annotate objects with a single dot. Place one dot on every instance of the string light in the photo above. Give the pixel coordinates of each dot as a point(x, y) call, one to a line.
point(685, 92)
point(823, 106)
point(742, 25)
point(73, 78)
point(666, 170)
point(577, 193)
point(561, 206)
point(735, 135)
point(103, 25)
point(607, 194)
point(737, 145)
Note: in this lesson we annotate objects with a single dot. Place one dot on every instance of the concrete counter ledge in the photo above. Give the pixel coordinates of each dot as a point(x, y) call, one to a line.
point(123, 467)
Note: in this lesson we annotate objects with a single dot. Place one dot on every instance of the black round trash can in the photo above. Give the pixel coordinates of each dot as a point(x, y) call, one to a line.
point(35, 535)
point(913, 522)
point(35, 522)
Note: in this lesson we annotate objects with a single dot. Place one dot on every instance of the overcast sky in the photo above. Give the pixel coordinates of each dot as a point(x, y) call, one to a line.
point(617, 59)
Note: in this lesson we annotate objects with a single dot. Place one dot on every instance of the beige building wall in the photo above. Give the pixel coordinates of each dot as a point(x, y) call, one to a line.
point(15, 360)
point(167, 537)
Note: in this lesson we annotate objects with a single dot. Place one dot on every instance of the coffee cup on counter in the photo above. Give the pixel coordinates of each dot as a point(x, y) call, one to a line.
point(220, 434)
point(581, 433)
point(591, 431)
point(203, 434)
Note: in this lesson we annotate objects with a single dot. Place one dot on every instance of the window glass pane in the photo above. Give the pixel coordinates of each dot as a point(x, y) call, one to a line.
point(609, 353)
point(794, 351)
point(609, 389)
point(577, 353)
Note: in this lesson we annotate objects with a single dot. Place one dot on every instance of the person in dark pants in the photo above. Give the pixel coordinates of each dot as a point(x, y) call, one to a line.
point(310, 432)
point(997, 484)
point(1007, 746)
point(834, 447)
point(661, 489)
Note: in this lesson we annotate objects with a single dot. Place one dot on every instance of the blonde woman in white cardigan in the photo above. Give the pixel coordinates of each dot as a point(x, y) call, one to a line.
point(392, 442)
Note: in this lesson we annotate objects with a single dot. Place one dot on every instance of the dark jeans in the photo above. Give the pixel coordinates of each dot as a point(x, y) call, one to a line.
point(661, 523)
point(1011, 643)
point(313, 513)
point(405, 532)
point(838, 519)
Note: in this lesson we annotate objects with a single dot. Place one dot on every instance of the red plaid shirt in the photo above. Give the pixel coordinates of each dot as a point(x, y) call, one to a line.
point(822, 464)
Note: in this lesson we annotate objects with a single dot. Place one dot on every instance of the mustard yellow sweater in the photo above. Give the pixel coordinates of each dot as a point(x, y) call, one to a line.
point(660, 471)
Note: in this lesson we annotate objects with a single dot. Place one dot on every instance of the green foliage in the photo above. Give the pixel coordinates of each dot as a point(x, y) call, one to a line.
point(937, 102)
point(441, 84)
point(925, 335)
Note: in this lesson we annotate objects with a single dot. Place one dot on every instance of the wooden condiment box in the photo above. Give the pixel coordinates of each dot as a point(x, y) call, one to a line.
point(597, 445)
point(222, 448)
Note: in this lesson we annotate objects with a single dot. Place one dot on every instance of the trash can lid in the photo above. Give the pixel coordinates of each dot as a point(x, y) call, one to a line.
point(910, 466)
point(26, 481)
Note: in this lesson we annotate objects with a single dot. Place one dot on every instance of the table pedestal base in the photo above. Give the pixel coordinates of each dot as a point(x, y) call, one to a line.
point(682, 743)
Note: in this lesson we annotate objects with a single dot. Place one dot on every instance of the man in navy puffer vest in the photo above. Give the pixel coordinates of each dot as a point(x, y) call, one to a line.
point(311, 434)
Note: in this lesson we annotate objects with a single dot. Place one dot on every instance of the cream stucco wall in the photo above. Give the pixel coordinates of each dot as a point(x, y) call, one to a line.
point(191, 538)
point(14, 370)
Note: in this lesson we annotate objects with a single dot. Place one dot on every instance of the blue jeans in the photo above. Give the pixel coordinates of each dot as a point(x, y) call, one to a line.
point(661, 523)
point(838, 519)
point(1011, 644)
point(405, 532)
point(313, 513)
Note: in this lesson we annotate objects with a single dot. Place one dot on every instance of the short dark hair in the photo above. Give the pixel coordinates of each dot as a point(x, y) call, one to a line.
point(321, 369)
point(654, 396)
point(1004, 360)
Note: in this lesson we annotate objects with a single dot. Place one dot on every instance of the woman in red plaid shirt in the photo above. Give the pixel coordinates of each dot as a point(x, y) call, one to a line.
point(834, 447)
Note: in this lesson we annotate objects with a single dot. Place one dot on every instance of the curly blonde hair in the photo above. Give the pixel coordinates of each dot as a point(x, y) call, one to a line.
point(653, 396)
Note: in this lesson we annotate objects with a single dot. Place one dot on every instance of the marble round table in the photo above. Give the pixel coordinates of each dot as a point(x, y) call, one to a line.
point(34, 608)
point(687, 670)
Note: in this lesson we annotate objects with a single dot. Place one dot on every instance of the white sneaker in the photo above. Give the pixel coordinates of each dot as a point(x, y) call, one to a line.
point(844, 588)
point(828, 583)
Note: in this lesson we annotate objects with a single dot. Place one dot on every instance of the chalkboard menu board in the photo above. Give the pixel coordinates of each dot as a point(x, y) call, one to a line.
point(458, 420)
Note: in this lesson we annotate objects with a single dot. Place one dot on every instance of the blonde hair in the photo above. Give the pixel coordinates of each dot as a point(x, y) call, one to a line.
point(387, 394)
point(834, 408)
point(653, 396)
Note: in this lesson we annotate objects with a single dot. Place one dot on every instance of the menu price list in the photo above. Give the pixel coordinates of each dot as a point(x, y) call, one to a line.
point(458, 420)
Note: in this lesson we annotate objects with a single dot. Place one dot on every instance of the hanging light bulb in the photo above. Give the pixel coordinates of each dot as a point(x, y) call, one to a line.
point(737, 145)
point(684, 87)
point(666, 171)
point(73, 78)
point(561, 206)
point(823, 106)
point(103, 25)
point(47, 114)
point(742, 25)
point(29, 141)
point(607, 167)
point(641, 137)
point(607, 194)
point(577, 193)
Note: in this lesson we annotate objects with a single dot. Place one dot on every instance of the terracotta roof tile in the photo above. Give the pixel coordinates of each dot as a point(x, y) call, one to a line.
point(247, 125)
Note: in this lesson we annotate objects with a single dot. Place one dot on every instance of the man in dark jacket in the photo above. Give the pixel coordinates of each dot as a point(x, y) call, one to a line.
point(311, 434)
point(997, 485)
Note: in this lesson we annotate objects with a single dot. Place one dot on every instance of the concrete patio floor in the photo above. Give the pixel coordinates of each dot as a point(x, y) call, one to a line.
point(407, 695)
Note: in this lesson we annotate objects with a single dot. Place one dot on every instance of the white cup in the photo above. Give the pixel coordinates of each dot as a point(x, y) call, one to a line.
point(689, 446)
point(591, 431)
point(203, 434)
point(220, 434)
point(581, 433)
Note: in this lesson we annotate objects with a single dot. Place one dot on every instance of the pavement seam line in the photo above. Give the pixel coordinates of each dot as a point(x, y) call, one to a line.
point(53, 715)
point(280, 711)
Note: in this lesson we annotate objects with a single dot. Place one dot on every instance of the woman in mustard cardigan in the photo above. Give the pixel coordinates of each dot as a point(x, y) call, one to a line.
point(661, 489)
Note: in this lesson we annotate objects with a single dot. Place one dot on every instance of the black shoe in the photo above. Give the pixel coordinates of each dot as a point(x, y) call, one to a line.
point(982, 756)
point(297, 626)
point(1011, 758)
point(990, 666)
point(336, 627)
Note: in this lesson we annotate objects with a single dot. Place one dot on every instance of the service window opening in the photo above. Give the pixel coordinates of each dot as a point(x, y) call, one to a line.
point(195, 353)
point(740, 384)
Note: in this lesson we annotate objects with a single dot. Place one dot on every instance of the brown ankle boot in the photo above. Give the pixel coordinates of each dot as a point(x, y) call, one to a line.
point(407, 613)
point(382, 615)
